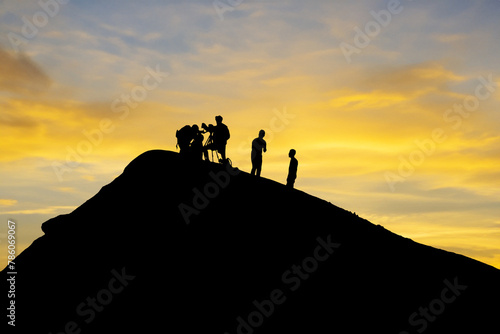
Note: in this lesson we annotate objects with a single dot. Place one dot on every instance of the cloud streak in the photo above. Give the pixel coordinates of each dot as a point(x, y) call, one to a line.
point(19, 74)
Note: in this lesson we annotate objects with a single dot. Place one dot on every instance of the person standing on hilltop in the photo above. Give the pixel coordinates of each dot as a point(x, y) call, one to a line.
point(220, 135)
point(258, 145)
point(292, 169)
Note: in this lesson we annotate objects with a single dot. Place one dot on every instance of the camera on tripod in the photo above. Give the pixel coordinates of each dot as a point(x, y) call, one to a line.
point(210, 128)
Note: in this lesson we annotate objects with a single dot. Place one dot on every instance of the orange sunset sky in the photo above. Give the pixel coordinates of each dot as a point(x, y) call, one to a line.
point(393, 106)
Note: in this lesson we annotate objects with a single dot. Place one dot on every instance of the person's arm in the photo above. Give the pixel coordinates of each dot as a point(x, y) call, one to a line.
point(265, 145)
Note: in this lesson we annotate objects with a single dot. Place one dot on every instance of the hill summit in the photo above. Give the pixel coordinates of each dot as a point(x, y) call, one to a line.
point(178, 247)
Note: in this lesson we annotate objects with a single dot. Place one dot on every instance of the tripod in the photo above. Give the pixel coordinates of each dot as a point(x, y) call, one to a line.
point(209, 145)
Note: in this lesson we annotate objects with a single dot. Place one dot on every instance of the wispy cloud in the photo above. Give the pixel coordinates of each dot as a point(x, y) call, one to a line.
point(8, 202)
point(19, 74)
point(51, 210)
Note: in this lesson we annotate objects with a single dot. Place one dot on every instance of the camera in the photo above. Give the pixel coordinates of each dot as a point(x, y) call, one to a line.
point(210, 128)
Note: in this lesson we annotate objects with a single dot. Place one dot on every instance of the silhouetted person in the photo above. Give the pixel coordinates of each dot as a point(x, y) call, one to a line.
point(184, 137)
point(197, 143)
point(258, 145)
point(292, 169)
point(219, 135)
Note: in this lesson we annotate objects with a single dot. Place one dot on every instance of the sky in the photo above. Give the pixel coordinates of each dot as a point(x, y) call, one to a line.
point(392, 106)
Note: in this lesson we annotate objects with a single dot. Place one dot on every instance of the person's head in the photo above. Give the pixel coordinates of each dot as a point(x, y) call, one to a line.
point(262, 133)
point(218, 119)
point(292, 153)
point(195, 128)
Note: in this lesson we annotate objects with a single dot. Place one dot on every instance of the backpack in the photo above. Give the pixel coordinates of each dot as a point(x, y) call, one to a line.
point(183, 135)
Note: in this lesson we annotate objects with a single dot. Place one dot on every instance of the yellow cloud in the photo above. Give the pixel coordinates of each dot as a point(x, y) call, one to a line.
point(66, 189)
point(45, 211)
point(450, 38)
point(8, 202)
point(411, 80)
point(352, 100)
point(46, 128)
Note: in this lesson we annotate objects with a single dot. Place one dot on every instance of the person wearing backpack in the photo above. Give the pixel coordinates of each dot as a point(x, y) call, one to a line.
point(184, 137)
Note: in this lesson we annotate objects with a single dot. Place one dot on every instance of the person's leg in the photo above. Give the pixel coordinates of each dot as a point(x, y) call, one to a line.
point(222, 151)
point(196, 151)
point(205, 153)
point(183, 148)
point(205, 150)
point(259, 165)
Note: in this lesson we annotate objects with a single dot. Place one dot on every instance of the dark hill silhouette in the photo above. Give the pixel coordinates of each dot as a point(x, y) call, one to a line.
point(125, 261)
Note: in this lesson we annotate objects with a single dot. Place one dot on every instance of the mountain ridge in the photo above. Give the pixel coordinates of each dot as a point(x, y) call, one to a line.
point(202, 246)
